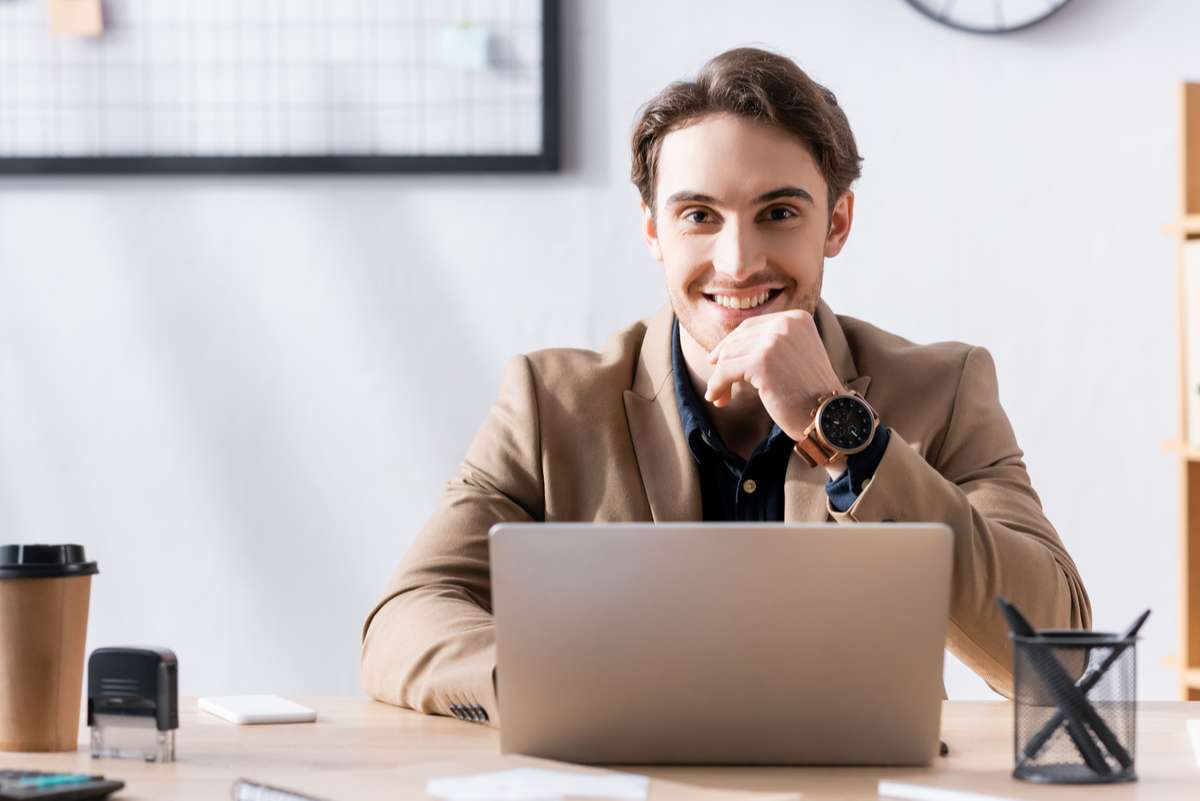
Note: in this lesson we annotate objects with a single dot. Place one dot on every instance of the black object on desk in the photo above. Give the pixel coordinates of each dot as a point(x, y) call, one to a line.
point(133, 703)
point(1089, 680)
point(1048, 700)
point(36, 785)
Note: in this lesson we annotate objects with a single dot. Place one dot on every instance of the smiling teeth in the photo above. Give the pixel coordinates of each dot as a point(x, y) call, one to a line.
point(743, 303)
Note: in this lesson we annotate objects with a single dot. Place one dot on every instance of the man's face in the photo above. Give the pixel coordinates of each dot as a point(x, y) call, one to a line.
point(741, 217)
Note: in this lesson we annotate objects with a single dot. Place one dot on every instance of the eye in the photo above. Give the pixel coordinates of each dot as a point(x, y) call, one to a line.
point(690, 216)
point(781, 213)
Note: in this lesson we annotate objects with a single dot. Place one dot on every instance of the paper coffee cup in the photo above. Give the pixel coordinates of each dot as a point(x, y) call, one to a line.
point(44, 591)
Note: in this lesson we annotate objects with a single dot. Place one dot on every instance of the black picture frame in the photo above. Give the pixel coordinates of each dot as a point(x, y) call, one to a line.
point(545, 161)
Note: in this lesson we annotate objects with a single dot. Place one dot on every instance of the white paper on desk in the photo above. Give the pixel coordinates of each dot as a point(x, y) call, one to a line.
point(919, 792)
point(535, 783)
point(1194, 730)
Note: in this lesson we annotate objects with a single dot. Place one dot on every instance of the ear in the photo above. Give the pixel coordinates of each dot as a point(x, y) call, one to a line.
point(650, 231)
point(839, 224)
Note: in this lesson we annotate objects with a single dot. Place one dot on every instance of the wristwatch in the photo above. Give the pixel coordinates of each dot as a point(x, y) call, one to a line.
point(843, 424)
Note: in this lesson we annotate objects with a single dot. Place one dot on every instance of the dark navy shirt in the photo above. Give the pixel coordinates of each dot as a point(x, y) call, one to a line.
point(732, 488)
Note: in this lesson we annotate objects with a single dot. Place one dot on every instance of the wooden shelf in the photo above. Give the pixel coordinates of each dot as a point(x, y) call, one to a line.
point(1189, 119)
point(1186, 231)
point(1186, 227)
point(1189, 453)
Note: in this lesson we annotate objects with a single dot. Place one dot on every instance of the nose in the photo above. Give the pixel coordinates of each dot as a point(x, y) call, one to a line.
point(737, 252)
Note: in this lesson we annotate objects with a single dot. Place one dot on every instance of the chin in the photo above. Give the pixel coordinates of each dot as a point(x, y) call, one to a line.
point(701, 325)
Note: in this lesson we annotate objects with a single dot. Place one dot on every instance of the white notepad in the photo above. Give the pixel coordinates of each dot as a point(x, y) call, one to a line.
point(1194, 730)
point(256, 709)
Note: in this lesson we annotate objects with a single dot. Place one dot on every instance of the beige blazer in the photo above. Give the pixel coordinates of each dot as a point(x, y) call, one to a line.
point(578, 435)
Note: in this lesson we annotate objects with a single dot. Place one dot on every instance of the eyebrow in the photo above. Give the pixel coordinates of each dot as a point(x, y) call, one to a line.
point(774, 194)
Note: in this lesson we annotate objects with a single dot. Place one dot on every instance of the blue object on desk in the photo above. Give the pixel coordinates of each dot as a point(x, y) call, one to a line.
point(36, 785)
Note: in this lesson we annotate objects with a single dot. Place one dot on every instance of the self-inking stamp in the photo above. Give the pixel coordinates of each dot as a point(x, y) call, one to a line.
point(133, 703)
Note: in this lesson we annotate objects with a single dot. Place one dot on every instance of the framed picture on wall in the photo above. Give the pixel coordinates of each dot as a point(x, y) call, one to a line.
point(175, 86)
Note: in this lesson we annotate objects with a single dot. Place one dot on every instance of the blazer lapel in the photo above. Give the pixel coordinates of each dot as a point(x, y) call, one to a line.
point(668, 472)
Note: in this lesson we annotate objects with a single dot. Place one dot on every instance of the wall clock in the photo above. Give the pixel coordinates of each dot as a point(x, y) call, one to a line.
point(988, 16)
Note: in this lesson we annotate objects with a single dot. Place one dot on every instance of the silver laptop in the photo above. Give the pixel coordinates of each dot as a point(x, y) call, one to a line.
point(752, 644)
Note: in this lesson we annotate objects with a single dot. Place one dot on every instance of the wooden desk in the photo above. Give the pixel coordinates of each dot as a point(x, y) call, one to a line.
point(363, 750)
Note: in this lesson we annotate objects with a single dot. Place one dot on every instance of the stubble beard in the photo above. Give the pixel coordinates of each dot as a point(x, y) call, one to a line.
point(709, 334)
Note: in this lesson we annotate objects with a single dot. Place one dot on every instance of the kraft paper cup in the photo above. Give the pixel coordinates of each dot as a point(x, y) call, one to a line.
point(44, 593)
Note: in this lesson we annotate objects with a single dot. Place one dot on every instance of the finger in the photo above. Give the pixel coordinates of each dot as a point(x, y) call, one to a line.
point(734, 343)
point(746, 329)
point(746, 343)
point(749, 343)
point(720, 384)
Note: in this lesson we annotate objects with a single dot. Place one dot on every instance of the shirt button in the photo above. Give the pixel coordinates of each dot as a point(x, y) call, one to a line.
point(749, 486)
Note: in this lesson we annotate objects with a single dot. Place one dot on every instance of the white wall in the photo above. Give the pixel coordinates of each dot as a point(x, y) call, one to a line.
point(244, 394)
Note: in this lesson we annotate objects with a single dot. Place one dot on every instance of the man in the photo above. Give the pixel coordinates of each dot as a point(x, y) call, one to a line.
point(707, 410)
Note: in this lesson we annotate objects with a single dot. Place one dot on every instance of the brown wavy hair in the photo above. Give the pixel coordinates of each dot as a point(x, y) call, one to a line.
point(759, 85)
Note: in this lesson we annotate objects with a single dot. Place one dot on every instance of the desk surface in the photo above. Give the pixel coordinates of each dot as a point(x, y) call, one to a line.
point(363, 750)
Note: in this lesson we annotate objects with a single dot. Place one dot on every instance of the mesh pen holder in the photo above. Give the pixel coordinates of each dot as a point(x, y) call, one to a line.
point(1075, 707)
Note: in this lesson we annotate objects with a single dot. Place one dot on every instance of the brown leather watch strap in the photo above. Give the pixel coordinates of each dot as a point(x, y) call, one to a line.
point(811, 451)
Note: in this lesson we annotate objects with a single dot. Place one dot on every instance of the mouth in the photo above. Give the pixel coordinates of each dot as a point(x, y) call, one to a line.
point(743, 302)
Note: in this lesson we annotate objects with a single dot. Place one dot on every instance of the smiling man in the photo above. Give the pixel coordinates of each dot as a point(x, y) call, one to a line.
point(744, 399)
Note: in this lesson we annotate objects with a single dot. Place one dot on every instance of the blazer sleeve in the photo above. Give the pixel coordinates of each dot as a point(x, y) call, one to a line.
point(429, 644)
point(977, 484)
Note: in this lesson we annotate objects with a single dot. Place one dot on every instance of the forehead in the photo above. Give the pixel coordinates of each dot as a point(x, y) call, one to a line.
point(734, 158)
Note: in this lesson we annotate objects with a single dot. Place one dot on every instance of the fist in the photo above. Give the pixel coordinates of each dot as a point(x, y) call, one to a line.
point(781, 355)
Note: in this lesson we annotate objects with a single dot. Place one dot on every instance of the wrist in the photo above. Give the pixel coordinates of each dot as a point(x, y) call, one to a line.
point(841, 426)
point(836, 469)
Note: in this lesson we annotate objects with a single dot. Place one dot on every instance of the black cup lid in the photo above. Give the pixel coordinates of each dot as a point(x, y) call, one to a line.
point(44, 561)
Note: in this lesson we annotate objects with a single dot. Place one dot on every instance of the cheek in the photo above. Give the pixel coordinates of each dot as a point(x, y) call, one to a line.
point(687, 251)
point(799, 253)
point(681, 275)
point(683, 268)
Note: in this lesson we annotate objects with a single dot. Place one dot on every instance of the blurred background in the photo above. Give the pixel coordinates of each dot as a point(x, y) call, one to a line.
point(244, 392)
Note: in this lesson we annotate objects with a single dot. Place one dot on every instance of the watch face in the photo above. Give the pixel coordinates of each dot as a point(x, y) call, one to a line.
point(846, 423)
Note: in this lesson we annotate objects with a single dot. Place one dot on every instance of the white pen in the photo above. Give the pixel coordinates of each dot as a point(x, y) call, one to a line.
point(244, 790)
